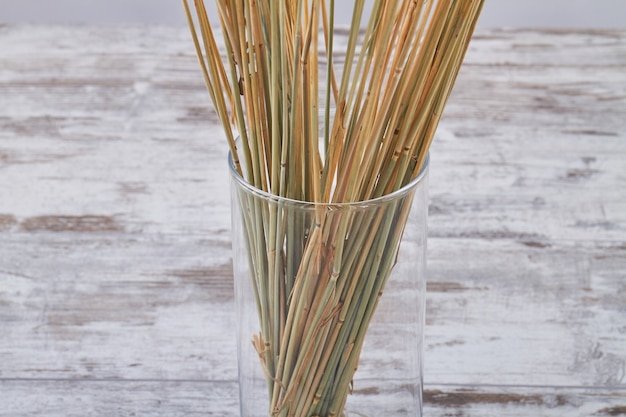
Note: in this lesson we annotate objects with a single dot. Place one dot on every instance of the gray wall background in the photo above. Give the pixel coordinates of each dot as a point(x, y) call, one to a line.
point(600, 14)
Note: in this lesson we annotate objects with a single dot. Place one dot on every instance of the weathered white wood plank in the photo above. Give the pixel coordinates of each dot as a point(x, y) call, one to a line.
point(112, 306)
point(113, 398)
point(531, 131)
point(515, 314)
point(533, 140)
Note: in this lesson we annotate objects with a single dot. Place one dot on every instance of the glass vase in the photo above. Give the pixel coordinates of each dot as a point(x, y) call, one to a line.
point(329, 303)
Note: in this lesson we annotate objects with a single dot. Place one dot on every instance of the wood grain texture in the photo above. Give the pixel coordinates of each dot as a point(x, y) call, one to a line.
point(115, 276)
point(176, 398)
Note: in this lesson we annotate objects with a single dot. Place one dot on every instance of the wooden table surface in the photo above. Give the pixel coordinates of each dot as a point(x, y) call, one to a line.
point(115, 273)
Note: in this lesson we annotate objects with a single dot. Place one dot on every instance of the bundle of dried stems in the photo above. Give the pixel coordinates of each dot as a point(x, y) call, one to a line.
point(317, 278)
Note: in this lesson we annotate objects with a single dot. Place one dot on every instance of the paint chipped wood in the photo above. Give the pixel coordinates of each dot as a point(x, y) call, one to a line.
point(115, 276)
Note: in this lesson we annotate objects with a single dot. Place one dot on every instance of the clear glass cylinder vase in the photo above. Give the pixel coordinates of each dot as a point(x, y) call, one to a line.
point(330, 303)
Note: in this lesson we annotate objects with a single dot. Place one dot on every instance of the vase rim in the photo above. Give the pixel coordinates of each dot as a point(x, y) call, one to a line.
point(399, 193)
